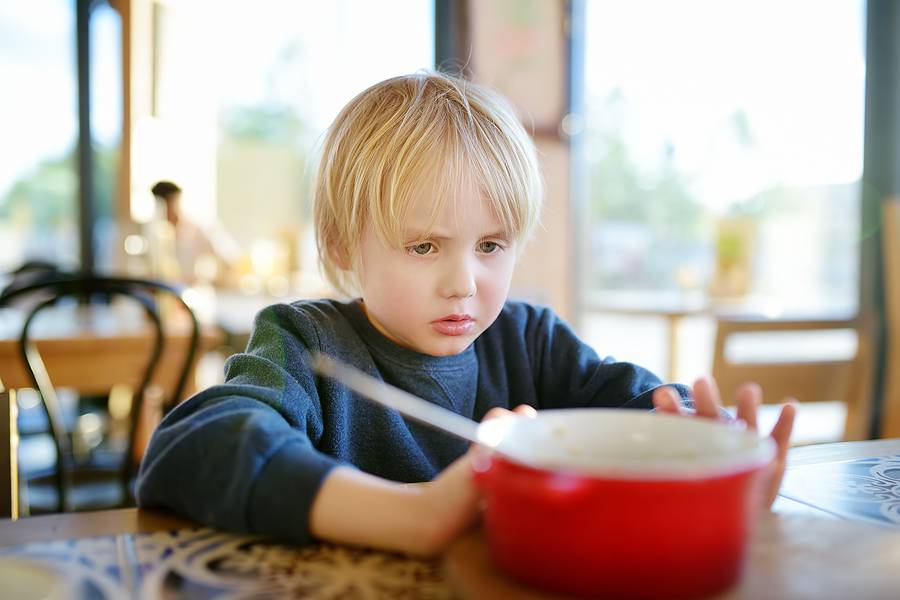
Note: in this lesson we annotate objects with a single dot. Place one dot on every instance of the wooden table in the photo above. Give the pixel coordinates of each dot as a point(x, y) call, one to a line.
point(66, 526)
point(89, 349)
point(134, 553)
point(673, 308)
point(847, 480)
point(152, 554)
point(816, 543)
point(790, 557)
point(841, 451)
point(145, 553)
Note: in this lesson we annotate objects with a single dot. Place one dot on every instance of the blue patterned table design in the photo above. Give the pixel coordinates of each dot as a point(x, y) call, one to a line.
point(866, 489)
point(203, 563)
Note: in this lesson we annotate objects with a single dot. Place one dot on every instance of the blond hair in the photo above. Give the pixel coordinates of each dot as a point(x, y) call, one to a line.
point(408, 131)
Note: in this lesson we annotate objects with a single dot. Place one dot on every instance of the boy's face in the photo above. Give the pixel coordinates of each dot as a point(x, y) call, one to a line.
point(438, 293)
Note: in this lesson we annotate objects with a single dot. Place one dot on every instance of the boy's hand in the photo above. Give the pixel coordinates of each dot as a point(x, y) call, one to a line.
point(451, 501)
point(522, 409)
point(707, 403)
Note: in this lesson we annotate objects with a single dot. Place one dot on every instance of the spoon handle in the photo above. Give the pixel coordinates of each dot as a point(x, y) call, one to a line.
point(401, 401)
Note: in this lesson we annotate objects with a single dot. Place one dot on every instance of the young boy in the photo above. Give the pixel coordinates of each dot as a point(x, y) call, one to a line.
point(427, 190)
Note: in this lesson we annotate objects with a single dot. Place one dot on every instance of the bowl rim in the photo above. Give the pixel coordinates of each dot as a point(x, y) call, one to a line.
point(759, 453)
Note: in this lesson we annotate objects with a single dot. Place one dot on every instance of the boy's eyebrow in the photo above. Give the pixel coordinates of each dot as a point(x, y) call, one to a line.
point(419, 234)
point(416, 234)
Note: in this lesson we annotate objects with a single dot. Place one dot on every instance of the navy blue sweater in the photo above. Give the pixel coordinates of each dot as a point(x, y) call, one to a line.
point(250, 454)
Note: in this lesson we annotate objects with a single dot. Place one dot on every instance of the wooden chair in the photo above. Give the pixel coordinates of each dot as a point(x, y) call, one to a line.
point(819, 380)
point(9, 485)
point(67, 471)
point(890, 237)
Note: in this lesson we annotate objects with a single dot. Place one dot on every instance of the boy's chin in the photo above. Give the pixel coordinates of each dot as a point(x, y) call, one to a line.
point(447, 347)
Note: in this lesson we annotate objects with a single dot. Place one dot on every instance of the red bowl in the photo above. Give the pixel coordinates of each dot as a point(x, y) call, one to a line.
point(620, 503)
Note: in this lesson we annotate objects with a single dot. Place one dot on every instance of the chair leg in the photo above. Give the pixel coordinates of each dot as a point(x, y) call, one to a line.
point(890, 420)
point(856, 427)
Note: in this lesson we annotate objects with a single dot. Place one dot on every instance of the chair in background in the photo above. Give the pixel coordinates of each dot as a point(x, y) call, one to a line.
point(843, 379)
point(116, 468)
point(890, 237)
point(29, 272)
point(9, 488)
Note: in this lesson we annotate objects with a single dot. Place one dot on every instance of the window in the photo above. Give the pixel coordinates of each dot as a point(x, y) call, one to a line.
point(243, 99)
point(723, 155)
point(38, 118)
point(39, 186)
point(106, 128)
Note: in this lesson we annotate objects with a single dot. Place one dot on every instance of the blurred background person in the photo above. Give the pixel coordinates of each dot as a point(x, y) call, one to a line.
point(195, 254)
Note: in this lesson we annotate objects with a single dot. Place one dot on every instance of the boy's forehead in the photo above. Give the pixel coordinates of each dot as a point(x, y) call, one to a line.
point(444, 208)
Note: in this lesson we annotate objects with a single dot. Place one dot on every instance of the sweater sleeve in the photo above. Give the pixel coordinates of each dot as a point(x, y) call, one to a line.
point(570, 374)
point(241, 456)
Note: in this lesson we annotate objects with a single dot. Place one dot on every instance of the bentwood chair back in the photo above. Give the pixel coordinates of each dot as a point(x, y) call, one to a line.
point(69, 472)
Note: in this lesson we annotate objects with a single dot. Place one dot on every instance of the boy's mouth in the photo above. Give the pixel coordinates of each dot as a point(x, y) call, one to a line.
point(454, 324)
point(455, 317)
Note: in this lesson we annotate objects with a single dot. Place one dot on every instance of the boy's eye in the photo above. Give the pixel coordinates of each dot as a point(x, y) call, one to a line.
point(488, 247)
point(422, 249)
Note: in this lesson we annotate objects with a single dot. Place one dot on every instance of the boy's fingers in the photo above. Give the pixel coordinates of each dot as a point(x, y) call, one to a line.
point(522, 409)
point(665, 399)
point(706, 398)
point(781, 433)
point(749, 397)
point(675, 399)
point(496, 412)
point(526, 410)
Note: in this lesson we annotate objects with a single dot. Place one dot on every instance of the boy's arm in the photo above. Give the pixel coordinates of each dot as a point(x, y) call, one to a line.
point(233, 463)
point(570, 374)
point(226, 459)
point(241, 456)
point(353, 507)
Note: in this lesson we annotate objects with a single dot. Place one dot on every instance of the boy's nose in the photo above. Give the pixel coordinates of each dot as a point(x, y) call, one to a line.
point(459, 280)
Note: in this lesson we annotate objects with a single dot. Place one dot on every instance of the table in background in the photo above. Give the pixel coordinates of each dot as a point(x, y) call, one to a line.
point(675, 307)
point(89, 349)
point(672, 308)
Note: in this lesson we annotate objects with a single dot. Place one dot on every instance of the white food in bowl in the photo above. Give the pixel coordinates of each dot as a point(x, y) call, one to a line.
point(626, 443)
